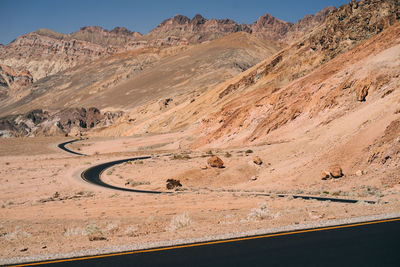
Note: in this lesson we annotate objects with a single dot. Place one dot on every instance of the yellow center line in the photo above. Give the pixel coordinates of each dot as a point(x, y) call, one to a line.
point(207, 243)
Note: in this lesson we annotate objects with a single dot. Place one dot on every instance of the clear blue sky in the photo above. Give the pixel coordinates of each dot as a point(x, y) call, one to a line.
point(22, 16)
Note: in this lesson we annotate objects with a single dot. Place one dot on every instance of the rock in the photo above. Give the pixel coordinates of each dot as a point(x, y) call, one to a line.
point(362, 92)
point(215, 162)
point(257, 160)
point(359, 173)
point(254, 178)
point(165, 103)
point(204, 167)
point(172, 183)
point(94, 237)
point(5, 134)
point(336, 171)
point(325, 175)
point(11, 79)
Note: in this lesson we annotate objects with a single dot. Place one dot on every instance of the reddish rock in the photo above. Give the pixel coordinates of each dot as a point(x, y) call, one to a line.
point(336, 171)
point(215, 162)
point(362, 92)
point(257, 160)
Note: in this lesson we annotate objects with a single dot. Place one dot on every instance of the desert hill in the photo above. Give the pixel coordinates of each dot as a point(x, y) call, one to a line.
point(126, 80)
point(262, 99)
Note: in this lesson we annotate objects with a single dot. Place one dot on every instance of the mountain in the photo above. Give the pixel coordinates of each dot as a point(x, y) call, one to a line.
point(160, 78)
point(119, 36)
point(291, 85)
point(46, 52)
point(43, 55)
point(268, 27)
point(195, 30)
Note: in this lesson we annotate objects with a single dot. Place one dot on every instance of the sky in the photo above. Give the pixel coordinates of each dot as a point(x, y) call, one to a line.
point(18, 17)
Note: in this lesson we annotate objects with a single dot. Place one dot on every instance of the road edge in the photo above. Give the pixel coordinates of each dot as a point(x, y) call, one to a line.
point(178, 242)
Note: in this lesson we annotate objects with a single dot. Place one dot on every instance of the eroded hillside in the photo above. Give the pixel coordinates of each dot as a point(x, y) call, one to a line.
point(149, 75)
point(292, 83)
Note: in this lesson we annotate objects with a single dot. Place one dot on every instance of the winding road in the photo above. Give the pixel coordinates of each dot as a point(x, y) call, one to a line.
point(93, 174)
point(373, 243)
point(62, 146)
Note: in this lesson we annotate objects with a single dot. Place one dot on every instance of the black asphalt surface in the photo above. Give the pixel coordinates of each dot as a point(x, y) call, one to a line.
point(62, 146)
point(367, 245)
point(92, 175)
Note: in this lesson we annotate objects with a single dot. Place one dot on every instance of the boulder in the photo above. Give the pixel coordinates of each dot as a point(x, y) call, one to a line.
point(172, 183)
point(257, 160)
point(325, 175)
point(336, 171)
point(215, 162)
point(362, 88)
point(359, 173)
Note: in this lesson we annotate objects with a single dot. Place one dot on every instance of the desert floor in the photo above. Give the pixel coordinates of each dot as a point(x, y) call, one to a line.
point(46, 208)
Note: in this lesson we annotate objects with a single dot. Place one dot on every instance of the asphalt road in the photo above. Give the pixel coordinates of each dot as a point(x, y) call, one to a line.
point(92, 175)
point(62, 146)
point(375, 244)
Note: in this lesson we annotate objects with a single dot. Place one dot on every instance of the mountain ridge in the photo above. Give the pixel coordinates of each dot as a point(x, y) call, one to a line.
point(57, 52)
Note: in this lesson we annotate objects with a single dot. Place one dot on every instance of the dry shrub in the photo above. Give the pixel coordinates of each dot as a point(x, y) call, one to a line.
point(179, 221)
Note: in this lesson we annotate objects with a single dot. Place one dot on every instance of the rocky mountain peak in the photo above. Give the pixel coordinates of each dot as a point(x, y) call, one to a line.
point(92, 29)
point(269, 27)
point(195, 30)
point(198, 19)
point(268, 19)
point(124, 31)
point(175, 20)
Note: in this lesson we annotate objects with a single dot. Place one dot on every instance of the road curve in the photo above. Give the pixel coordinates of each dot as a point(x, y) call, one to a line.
point(62, 146)
point(93, 174)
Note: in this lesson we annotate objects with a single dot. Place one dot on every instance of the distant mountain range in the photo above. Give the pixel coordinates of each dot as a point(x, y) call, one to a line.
point(46, 52)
